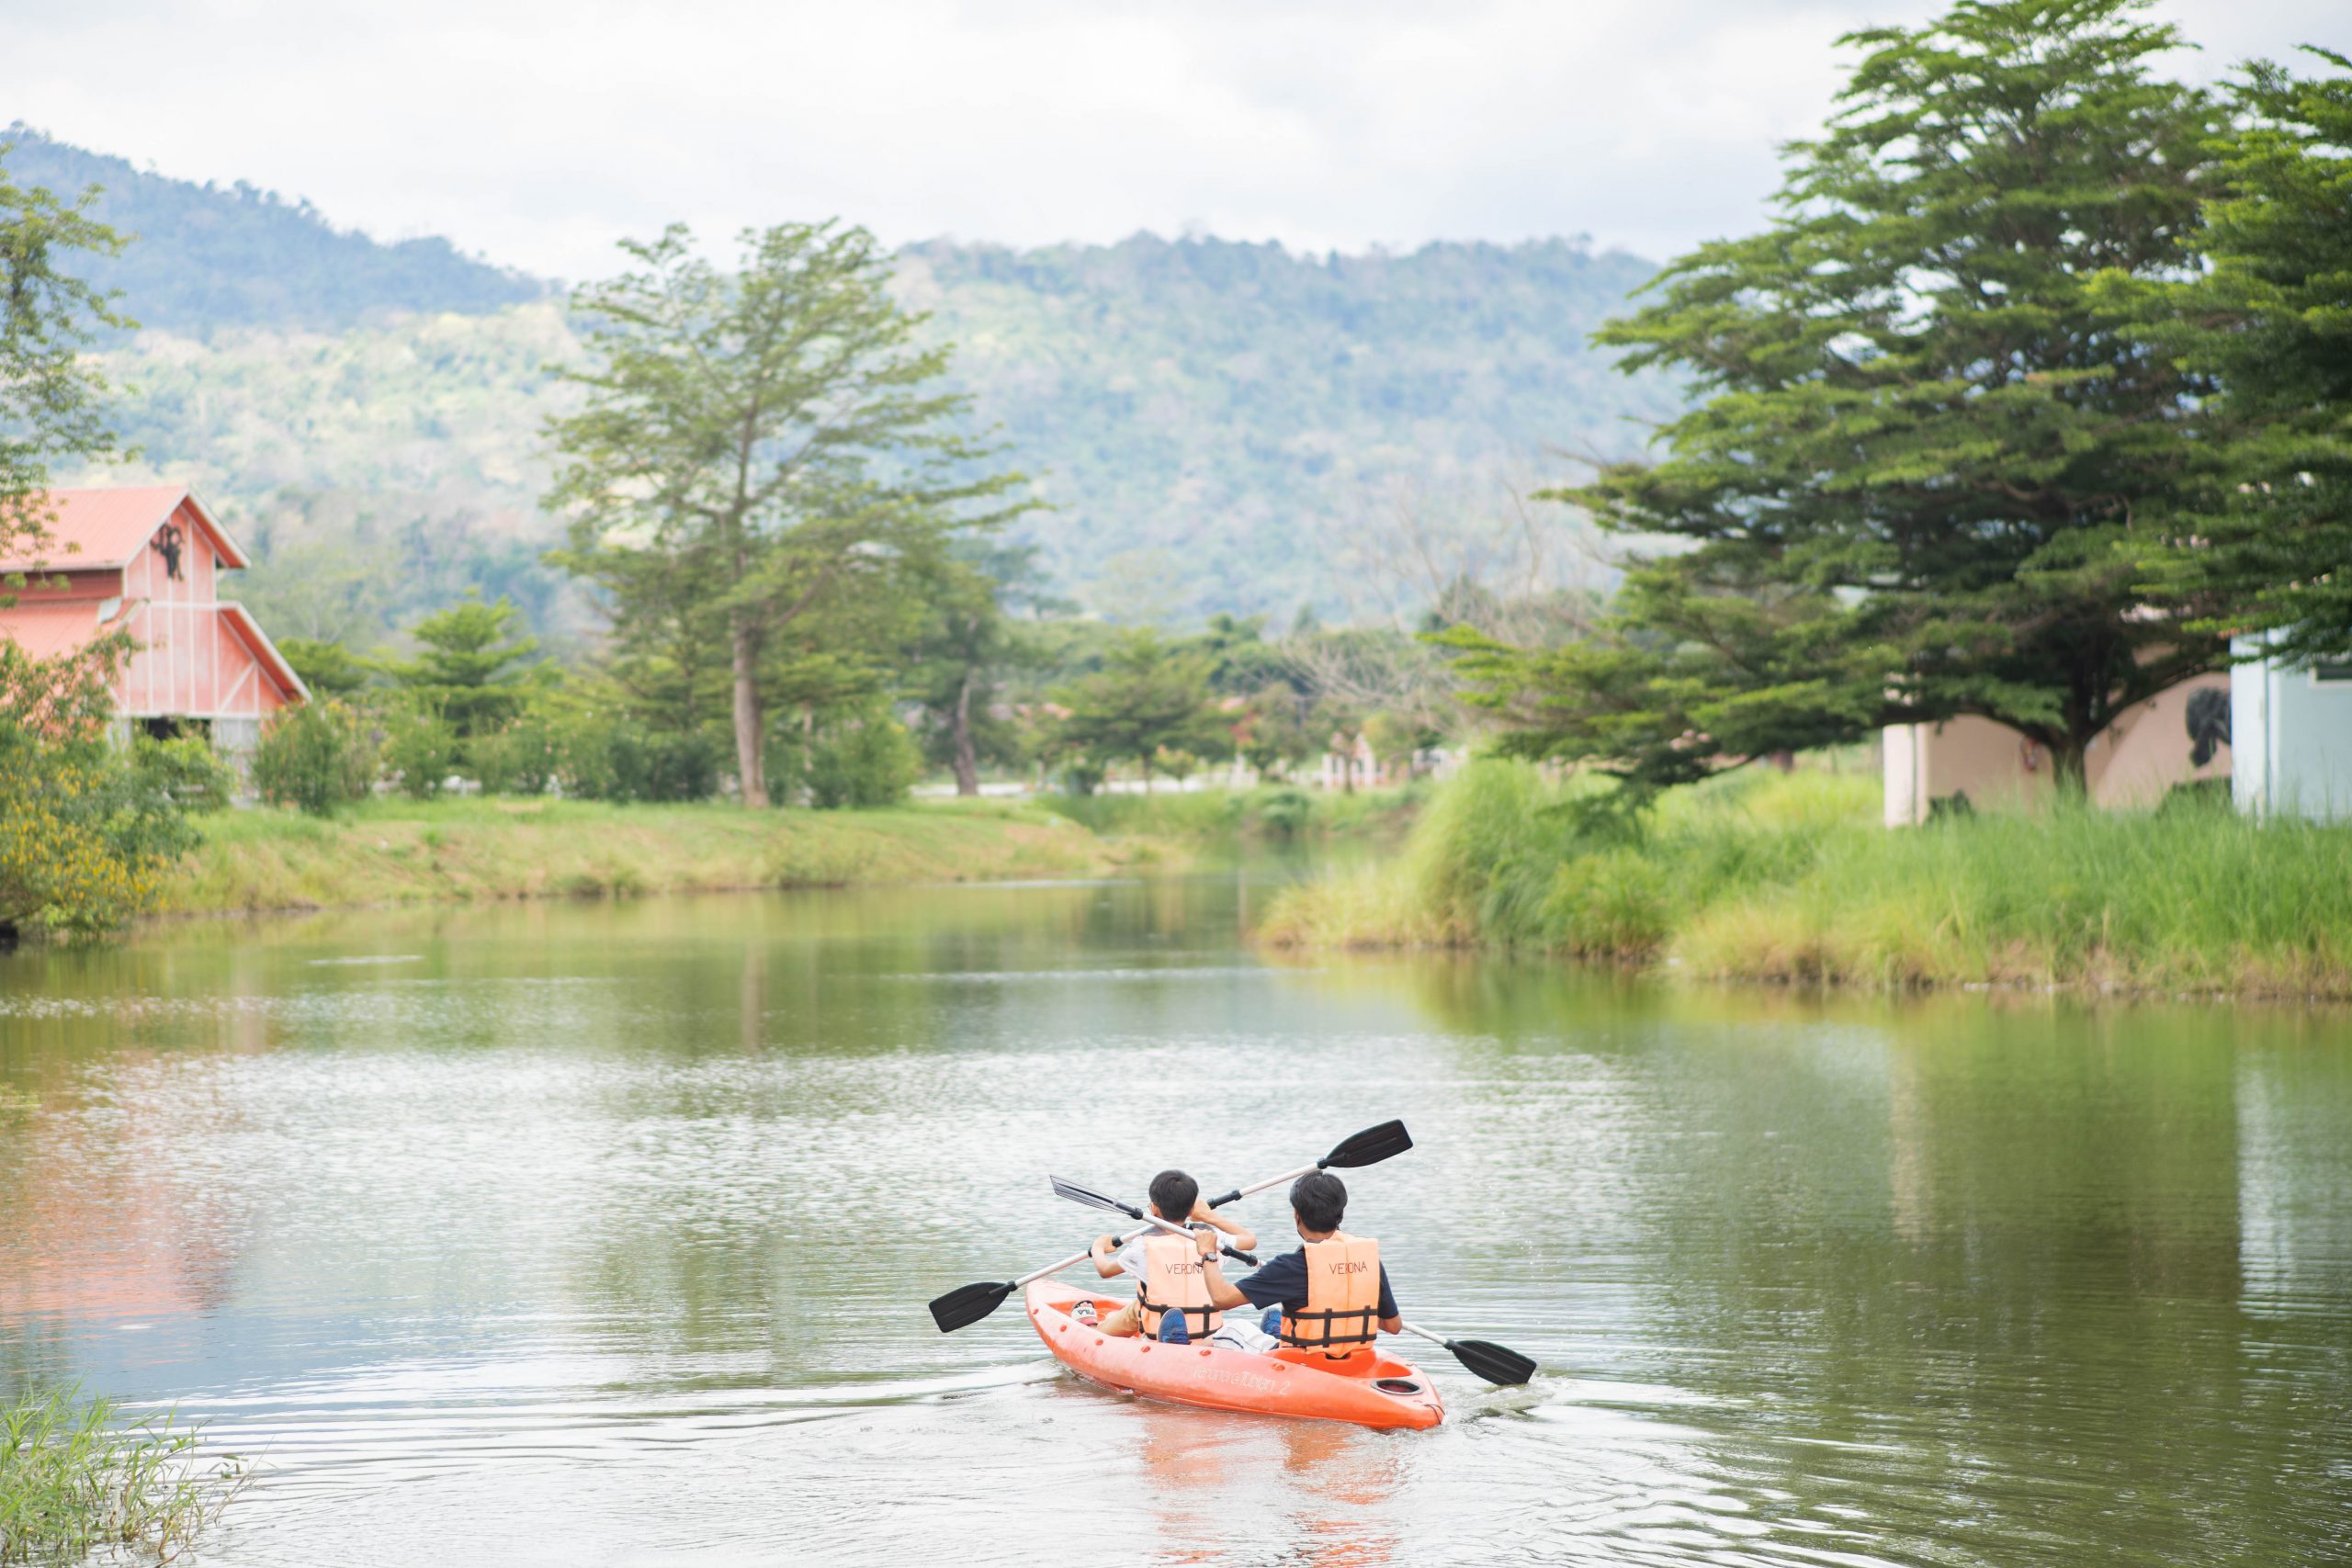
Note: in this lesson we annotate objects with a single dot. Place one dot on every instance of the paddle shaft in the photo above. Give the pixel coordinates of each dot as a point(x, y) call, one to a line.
point(1075, 1259)
point(1240, 1192)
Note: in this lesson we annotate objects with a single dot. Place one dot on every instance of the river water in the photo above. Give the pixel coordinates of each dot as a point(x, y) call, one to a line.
point(602, 1234)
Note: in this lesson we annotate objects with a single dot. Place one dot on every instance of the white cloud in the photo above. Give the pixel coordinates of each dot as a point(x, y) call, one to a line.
point(538, 132)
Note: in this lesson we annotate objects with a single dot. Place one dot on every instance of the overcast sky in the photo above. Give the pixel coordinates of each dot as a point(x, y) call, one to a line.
point(538, 132)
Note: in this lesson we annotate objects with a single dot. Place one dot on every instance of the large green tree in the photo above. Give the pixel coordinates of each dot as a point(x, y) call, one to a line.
point(1146, 698)
point(972, 644)
point(53, 399)
point(472, 665)
point(753, 442)
point(2264, 535)
point(87, 829)
point(1920, 435)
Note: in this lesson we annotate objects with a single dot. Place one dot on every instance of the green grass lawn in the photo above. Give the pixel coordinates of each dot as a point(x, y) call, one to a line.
point(399, 851)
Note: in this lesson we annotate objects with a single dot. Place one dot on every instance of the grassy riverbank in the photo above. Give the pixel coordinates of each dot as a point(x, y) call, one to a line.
point(401, 851)
point(1762, 876)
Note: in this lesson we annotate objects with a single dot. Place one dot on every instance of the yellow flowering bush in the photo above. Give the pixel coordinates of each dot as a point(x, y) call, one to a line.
point(87, 828)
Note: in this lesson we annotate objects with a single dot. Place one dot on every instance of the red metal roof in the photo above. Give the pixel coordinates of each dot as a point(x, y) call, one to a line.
point(45, 628)
point(264, 651)
point(112, 526)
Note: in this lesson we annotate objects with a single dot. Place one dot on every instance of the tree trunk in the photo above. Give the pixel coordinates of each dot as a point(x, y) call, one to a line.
point(968, 761)
point(750, 759)
point(2069, 758)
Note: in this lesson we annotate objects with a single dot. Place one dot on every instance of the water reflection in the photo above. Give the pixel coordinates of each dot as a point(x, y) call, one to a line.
point(603, 1232)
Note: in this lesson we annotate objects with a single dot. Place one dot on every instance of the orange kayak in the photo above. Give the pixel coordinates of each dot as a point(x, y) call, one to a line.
point(1369, 1389)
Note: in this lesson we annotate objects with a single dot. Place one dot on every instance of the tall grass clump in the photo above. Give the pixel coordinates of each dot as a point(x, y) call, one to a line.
point(2191, 899)
point(1790, 877)
point(1505, 857)
point(1475, 868)
point(76, 1479)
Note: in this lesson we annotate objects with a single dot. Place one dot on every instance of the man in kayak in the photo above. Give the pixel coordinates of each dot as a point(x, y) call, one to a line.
point(1332, 1292)
point(1171, 1300)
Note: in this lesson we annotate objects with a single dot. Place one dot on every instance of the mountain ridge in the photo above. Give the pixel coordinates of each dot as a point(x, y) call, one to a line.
point(245, 256)
point(1210, 424)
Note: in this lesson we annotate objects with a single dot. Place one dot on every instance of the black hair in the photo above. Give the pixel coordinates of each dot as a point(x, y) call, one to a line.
point(1320, 1199)
point(1173, 1193)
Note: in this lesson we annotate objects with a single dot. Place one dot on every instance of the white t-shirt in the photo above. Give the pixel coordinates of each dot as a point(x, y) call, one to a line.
point(1130, 1258)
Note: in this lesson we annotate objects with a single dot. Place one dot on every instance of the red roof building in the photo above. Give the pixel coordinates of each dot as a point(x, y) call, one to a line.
point(149, 561)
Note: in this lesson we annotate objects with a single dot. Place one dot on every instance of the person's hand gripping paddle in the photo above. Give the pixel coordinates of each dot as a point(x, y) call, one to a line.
point(966, 1304)
point(1496, 1363)
point(1093, 1199)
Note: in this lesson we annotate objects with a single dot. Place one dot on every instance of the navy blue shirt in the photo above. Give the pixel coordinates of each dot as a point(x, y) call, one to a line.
point(1282, 1284)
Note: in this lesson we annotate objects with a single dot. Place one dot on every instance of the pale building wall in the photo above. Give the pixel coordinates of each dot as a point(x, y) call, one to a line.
point(2145, 751)
point(2294, 728)
point(2138, 757)
point(1899, 745)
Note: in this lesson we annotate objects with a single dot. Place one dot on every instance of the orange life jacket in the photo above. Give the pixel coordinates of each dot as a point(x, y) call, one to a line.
point(1342, 1309)
point(1172, 1282)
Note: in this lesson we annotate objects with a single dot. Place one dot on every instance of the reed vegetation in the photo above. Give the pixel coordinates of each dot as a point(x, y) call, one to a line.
point(76, 1478)
point(1791, 878)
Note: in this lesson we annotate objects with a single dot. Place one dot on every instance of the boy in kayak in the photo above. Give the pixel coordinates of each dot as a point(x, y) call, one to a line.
point(1168, 1287)
point(1332, 1292)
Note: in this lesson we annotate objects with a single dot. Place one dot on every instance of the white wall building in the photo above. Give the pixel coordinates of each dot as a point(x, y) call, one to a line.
point(2291, 733)
point(2152, 746)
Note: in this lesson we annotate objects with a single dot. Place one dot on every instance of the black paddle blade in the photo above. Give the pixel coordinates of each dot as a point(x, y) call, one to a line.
point(1496, 1363)
point(1370, 1146)
point(967, 1304)
point(1092, 1199)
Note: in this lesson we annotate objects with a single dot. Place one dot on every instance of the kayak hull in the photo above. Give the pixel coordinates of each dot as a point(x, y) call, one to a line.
point(1368, 1390)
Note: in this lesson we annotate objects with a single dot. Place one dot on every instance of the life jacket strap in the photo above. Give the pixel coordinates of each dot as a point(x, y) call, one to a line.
point(1363, 1332)
point(1196, 1319)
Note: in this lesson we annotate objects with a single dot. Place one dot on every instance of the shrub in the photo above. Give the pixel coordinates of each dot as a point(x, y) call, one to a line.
point(315, 757)
point(1282, 813)
point(601, 757)
point(184, 768)
point(864, 763)
point(420, 750)
point(87, 829)
point(521, 758)
point(658, 765)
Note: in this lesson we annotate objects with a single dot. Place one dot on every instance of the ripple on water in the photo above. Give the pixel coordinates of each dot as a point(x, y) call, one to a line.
point(602, 1235)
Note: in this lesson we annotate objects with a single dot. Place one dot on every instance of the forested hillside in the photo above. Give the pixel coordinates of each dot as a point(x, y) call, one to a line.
point(208, 258)
point(1220, 417)
point(1212, 425)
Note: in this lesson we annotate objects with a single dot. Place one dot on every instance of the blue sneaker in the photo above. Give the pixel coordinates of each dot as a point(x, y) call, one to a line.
point(1271, 1325)
point(1173, 1330)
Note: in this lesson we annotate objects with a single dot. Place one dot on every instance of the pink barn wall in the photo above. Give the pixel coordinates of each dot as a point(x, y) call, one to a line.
point(191, 662)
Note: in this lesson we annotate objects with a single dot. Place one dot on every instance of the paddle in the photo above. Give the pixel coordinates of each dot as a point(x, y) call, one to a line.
point(1496, 1363)
point(1087, 1195)
point(1368, 1147)
point(966, 1304)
